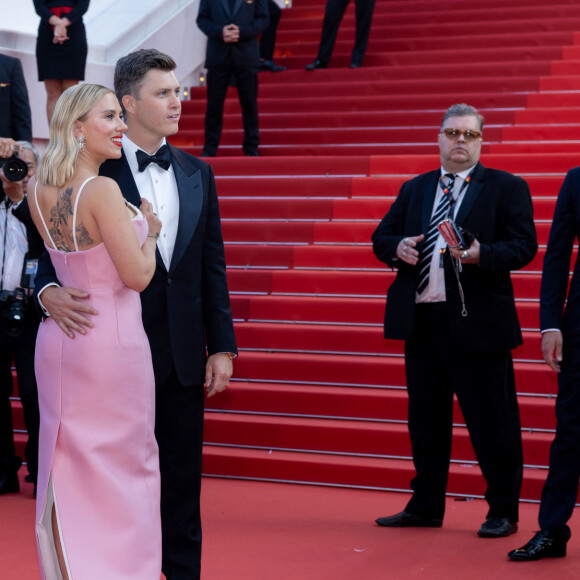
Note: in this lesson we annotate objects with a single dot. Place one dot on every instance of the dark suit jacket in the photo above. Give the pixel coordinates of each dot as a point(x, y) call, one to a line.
point(251, 17)
point(555, 312)
point(188, 306)
point(15, 119)
point(497, 208)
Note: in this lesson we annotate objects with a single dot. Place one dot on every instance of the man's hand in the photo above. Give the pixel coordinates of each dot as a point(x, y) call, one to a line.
point(218, 370)
point(8, 147)
point(552, 349)
point(66, 307)
point(406, 249)
point(469, 256)
point(231, 34)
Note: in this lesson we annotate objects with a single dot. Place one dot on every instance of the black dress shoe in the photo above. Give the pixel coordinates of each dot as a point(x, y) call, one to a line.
point(251, 154)
point(497, 528)
point(271, 66)
point(206, 154)
point(316, 64)
point(407, 520)
point(543, 545)
point(9, 484)
point(355, 65)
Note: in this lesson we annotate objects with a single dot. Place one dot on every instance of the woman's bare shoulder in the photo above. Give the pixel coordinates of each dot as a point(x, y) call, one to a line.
point(103, 190)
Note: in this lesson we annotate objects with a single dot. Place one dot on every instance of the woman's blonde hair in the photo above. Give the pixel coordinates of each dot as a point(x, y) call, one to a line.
point(58, 162)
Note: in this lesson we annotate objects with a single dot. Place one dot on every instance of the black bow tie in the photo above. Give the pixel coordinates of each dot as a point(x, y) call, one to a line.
point(161, 158)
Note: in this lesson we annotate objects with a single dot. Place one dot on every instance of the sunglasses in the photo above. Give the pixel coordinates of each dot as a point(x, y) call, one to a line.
point(454, 134)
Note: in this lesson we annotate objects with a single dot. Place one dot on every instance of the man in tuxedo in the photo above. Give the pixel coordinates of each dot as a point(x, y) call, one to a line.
point(232, 28)
point(15, 120)
point(186, 307)
point(559, 317)
point(455, 310)
point(333, 14)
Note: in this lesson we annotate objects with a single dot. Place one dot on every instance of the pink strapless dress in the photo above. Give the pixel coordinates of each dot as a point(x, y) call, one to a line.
point(98, 458)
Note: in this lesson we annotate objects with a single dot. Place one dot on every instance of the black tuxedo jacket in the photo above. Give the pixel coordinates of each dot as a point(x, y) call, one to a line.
point(555, 311)
point(251, 17)
point(497, 208)
point(186, 307)
point(15, 119)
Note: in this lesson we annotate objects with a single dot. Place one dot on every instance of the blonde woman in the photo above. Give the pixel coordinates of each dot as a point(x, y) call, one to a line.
point(98, 482)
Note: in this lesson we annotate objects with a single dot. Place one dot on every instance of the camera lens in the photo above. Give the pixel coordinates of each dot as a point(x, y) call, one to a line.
point(14, 169)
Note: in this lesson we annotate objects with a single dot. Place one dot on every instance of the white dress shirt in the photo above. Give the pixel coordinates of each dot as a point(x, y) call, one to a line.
point(13, 246)
point(435, 291)
point(159, 187)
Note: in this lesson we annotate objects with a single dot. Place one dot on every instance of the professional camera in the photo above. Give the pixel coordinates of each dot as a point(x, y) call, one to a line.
point(14, 168)
point(13, 310)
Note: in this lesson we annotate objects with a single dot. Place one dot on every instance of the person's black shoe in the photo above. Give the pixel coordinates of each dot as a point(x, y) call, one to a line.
point(407, 520)
point(497, 528)
point(9, 477)
point(271, 66)
point(9, 484)
point(316, 64)
point(251, 153)
point(543, 545)
point(355, 65)
point(206, 154)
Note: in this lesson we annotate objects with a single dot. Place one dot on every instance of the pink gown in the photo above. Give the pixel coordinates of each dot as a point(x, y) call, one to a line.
point(98, 458)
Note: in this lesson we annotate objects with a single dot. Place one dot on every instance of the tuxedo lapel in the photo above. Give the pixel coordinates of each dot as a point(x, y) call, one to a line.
point(119, 170)
point(471, 194)
point(190, 190)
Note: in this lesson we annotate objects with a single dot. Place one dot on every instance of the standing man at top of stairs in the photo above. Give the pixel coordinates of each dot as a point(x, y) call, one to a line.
point(333, 14)
point(232, 28)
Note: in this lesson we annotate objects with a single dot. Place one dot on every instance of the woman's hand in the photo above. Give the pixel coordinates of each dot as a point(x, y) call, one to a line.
point(152, 219)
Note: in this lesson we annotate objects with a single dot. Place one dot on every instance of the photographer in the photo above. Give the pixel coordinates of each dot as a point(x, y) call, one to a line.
point(20, 248)
point(455, 309)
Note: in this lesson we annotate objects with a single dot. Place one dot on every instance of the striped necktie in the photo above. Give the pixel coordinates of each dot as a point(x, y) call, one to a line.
point(444, 209)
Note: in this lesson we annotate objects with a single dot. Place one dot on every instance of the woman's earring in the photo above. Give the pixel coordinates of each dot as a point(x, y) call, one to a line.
point(81, 142)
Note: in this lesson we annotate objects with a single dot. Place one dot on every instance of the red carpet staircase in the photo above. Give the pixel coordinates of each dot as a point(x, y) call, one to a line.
point(319, 396)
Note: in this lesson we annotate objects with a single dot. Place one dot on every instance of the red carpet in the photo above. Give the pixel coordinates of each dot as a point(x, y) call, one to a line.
point(264, 531)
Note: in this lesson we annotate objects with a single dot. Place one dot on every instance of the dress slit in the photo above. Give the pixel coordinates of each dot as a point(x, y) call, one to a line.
point(45, 536)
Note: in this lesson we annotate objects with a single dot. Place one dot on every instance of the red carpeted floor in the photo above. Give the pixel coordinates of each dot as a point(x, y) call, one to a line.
point(268, 531)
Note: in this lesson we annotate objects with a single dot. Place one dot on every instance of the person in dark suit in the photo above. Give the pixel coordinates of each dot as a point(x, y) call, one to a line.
point(232, 28)
point(15, 118)
point(186, 307)
point(333, 15)
point(21, 246)
point(268, 40)
point(455, 310)
point(559, 316)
